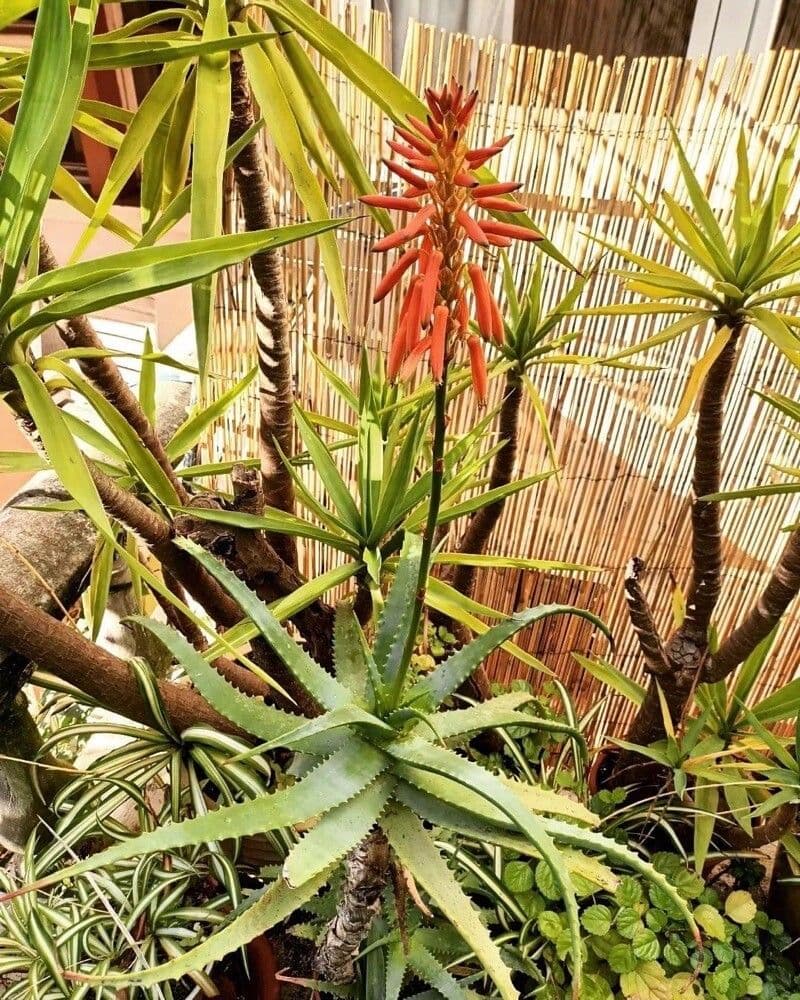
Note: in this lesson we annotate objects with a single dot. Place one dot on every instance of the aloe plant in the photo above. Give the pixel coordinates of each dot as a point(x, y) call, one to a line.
point(378, 754)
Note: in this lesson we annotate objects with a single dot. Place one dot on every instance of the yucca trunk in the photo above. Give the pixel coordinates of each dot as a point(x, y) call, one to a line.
point(686, 650)
point(276, 393)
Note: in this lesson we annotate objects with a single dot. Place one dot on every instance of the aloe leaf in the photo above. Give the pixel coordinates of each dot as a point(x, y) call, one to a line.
point(349, 651)
point(491, 715)
point(436, 760)
point(451, 673)
point(395, 620)
point(334, 781)
point(323, 688)
point(252, 918)
point(337, 832)
point(251, 714)
point(477, 827)
point(413, 845)
point(431, 971)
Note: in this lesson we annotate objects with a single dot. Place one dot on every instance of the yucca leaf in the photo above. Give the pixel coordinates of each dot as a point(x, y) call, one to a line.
point(418, 853)
point(323, 688)
point(330, 120)
point(706, 800)
point(211, 120)
point(337, 832)
point(50, 94)
point(59, 445)
point(147, 379)
point(140, 457)
point(700, 248)
point(288, 141)
point(485, 498)
point(451, 673)
point(147, 119)
point(299, 103)
point(613, 677)
point(705, 213)
point(777, 332)
point(697, 375)
point(511, 562)
point(159, 50)
point(743, 208)
point(100, 584)
point(188, 261)
point(22, 461)
point(70, 190)
point(181, 202)
point(14, 10)
point(272, 520)
point(331, 477)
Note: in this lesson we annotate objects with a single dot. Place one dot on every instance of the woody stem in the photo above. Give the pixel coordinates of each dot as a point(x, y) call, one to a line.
point(437, 477)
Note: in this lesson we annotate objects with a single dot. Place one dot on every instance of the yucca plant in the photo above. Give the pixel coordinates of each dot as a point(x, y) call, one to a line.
point(738, 277)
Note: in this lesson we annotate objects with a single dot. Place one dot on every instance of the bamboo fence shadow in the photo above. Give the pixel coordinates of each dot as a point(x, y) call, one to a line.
point(586, 134)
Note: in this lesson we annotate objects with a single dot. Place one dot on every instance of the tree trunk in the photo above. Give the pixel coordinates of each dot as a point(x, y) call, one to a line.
point(367, 874)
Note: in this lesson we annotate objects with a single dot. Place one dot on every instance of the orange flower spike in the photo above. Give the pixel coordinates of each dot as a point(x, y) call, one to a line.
point(477, 363)
point(405, 174)
point(394, 274)
point(498, 330)
point(397, 353)
point(436, 165)
point(441, 314)
point(414, 140)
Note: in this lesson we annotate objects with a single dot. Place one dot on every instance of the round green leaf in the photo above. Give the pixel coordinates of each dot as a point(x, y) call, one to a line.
point(740, 907)
point(518, 876)
point(645, 945)
point(597, 920)
point(711, 920)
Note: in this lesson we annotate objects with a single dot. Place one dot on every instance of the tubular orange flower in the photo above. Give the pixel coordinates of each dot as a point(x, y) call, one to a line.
point(439, 184)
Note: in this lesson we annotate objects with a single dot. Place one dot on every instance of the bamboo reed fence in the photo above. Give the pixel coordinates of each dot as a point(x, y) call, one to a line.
point(587, 133)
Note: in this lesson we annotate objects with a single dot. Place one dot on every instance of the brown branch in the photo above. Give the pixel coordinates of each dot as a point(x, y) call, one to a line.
point(276, 394)
point(56, 647)
point(105, 375)
point(783, 586)
point(642, 620)
point(704, 587)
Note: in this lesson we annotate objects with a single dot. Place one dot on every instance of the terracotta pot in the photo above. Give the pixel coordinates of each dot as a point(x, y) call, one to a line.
point(260, 984)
